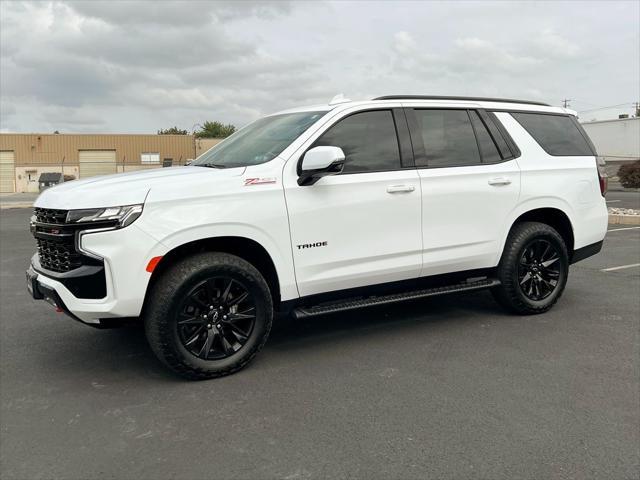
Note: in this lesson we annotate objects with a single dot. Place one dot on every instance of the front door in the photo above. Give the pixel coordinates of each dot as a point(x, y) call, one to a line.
point(363, 226)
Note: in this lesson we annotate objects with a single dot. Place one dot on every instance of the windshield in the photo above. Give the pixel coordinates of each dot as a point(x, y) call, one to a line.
point(259, 142)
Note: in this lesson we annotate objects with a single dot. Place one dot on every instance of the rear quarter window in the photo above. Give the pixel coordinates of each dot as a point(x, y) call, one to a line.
point(558, 135)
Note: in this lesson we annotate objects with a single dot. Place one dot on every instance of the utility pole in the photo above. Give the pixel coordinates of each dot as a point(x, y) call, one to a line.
point(193, 134)
point(565, 102)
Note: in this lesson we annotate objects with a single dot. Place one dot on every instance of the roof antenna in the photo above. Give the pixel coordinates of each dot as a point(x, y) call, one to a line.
point(339, 99)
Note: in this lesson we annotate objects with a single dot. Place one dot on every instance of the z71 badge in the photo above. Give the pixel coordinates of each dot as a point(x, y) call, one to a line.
point(258, 181)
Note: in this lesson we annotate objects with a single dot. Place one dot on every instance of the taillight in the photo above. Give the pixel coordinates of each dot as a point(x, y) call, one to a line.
point(602, 175)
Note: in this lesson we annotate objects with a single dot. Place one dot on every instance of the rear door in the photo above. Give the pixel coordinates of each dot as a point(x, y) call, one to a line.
point(363, 226)
point(470, 183)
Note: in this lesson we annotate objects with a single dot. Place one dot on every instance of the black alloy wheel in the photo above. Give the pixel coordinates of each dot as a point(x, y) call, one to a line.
point(208, 315)
point(216, 318)
point(533, 269)
point(539, 269)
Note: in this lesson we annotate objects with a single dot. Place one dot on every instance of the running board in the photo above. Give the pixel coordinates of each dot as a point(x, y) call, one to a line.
point(352, 304)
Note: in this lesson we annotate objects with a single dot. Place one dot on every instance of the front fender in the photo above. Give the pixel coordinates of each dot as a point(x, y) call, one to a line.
point(258, 214)
point(281, 259)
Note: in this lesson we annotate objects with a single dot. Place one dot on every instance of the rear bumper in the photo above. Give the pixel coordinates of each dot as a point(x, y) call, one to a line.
point(586, 252)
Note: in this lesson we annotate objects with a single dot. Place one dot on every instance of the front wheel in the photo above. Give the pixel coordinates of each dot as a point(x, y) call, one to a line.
point(209, 315)
point(533, 269)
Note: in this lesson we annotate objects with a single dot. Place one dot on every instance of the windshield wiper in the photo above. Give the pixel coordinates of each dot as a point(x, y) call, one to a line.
point(211, 165)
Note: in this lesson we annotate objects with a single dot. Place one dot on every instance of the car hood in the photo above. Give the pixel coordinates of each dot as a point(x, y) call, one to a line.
point(126, 188)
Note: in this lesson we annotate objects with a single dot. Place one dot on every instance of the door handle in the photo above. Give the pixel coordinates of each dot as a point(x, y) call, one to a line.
point(400, 188)
point(496, 182)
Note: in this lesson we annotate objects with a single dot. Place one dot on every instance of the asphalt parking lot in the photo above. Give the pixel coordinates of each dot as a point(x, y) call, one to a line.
point(620, 198)
point(451, 387)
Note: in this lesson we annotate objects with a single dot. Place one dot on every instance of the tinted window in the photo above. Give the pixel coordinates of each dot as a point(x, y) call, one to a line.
point(492, 124)
point(448, 138)
point(557, 134)
point(488, 148)
point(368, 140)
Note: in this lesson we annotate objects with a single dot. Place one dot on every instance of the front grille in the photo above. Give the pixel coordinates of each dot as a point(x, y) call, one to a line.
point(58, 256)
point(50, 216)
point(56, 240)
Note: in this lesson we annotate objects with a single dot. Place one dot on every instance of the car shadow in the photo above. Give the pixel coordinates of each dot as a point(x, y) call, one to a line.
point(124, 351)
point(435, 312)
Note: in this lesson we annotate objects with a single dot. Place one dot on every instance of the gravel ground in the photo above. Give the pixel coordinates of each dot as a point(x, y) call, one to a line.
point(623, 211)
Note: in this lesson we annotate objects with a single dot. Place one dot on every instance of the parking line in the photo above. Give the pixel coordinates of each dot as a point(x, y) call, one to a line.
point(620, 229)
point(620, 267)
point(613, 201)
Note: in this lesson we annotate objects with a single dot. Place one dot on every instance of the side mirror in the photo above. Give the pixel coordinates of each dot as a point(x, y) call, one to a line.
point(320, 162)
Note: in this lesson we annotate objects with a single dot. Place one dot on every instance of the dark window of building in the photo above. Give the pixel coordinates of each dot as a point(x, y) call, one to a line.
point(488, 148)
point(368, 140)
point(556, 134)
point(448, 138)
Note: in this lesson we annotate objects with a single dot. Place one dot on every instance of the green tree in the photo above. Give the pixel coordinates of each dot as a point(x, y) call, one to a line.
point(215, 130)
point(172, 131)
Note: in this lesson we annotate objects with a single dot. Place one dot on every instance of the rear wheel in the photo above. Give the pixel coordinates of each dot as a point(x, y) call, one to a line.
point(209, 315)
point(533, 269)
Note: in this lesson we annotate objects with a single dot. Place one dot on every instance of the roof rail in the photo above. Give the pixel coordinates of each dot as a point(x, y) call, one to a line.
point(440, 97)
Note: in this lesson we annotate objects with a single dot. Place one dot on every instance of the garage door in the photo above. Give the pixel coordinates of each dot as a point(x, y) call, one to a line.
point(7, 172)
point(97, 162)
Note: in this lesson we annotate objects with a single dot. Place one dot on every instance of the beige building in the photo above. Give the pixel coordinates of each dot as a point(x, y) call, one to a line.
point(23, 157)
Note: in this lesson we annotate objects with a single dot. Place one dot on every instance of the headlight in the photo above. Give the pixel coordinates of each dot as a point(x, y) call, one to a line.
point(120, 216)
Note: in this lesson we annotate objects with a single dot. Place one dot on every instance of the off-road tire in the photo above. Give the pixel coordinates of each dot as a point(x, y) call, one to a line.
point(161, 314)
point(509, 294)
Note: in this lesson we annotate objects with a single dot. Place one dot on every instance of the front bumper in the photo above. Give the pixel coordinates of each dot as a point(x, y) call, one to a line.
point(125, 253)
point(40, 291)
point(88, 281)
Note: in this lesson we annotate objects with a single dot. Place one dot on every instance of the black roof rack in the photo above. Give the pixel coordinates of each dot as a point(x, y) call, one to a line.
point(440, 97)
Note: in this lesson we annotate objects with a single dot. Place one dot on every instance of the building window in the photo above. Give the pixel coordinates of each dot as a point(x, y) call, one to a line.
point(150, 158)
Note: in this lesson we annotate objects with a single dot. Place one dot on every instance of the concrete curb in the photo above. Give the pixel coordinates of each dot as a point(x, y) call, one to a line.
point(624, 219)
point(8, 205)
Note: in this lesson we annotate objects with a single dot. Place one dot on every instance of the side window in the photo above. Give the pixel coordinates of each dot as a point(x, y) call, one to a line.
point(368, 140)
point(499, 134)
point(488, 148)
point(448, 138)
point(556, 134)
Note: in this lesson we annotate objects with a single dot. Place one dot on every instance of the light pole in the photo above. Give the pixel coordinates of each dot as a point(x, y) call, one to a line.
point(193, 134)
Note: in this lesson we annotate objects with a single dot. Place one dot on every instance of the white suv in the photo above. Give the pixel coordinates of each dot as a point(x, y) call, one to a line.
point(324, 209)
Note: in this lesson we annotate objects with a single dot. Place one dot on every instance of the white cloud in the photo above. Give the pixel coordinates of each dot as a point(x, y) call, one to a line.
point(553, 44)
point(139, 66)
point(403, 43)
point(478, 54)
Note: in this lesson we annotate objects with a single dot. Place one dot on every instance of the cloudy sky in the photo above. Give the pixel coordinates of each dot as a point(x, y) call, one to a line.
point(89, 66)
